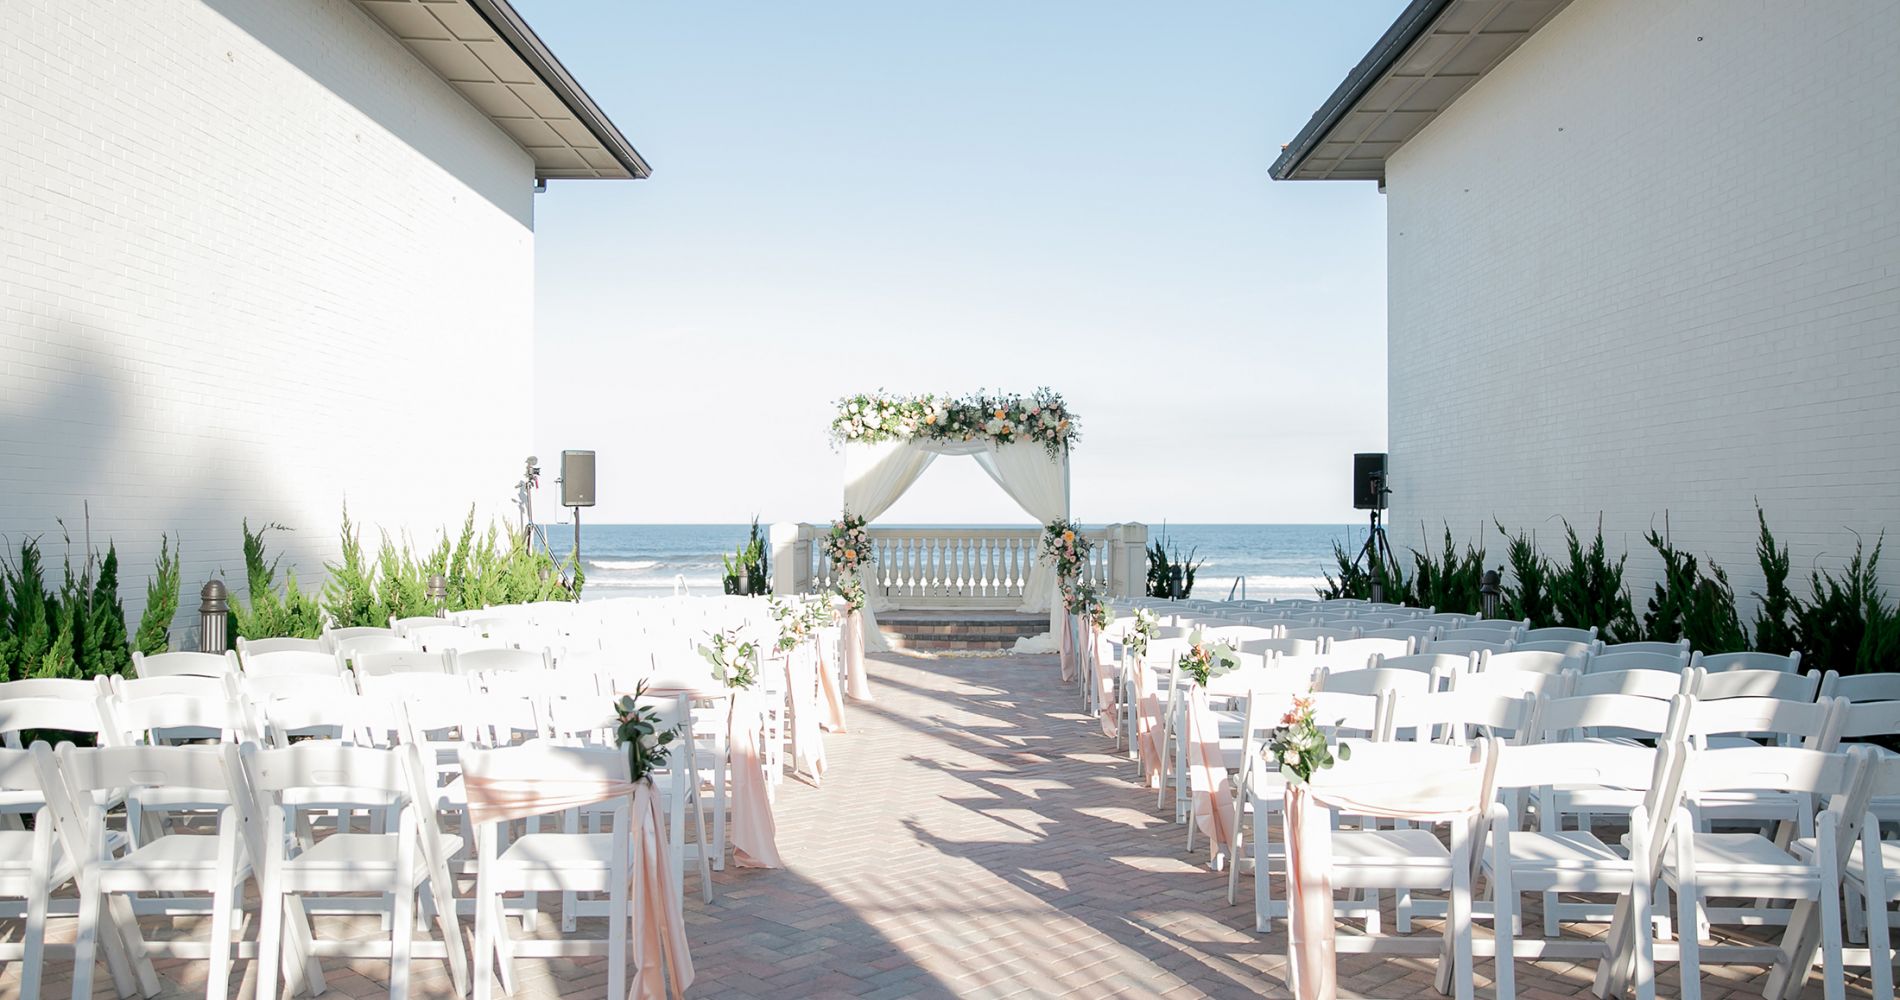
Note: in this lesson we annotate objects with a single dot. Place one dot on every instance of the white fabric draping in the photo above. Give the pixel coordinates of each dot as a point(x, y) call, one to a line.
point(876, 475)
point(1040, 485)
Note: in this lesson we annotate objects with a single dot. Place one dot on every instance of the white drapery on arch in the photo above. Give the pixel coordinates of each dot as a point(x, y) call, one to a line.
point(876, 475)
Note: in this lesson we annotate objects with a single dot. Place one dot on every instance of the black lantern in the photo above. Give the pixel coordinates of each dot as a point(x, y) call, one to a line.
point(1488, 594)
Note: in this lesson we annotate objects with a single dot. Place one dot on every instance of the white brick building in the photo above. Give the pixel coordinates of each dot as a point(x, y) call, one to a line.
point(260, 255)
point(1643, 258)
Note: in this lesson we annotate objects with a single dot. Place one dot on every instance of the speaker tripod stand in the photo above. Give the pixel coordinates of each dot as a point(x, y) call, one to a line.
point(1377, 554)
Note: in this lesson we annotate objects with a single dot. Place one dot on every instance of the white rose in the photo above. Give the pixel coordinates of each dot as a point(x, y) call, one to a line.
point(1291, 757)
point(650, 741)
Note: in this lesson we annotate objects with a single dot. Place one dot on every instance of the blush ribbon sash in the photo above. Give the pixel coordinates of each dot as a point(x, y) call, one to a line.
point(661, 939)
point(856, 686)
point(1065, 654)
point(1147, 722)
point(754, 828)
point(828, 687)
point(1312, 959)
point(1207, 776)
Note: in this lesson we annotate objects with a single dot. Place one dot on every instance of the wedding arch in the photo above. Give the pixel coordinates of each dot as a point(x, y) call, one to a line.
point(1021, 442)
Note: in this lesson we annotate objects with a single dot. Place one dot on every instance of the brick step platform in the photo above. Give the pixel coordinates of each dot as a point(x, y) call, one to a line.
point(959, 631)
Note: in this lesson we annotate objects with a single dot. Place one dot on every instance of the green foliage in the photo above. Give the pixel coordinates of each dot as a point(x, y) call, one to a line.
point(458, 569)
point(161, 601)
point(1352, 582)
point(294, 614)
point(1832, 625)
point(349, 596)
point(1163, 560)
point(31, 615)
point(1528, 593)
point(1689, 605)
point(1451, 582)
point(1588, 589)
point(105, 649)
point(402, 584)
point(1774, 619)
point(746, 567)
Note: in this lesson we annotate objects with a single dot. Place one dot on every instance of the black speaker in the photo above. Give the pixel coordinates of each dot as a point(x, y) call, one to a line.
point(577, 479)
point(1368, 481)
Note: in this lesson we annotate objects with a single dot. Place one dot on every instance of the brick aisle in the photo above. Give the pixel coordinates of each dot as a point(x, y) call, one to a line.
point(976, 838)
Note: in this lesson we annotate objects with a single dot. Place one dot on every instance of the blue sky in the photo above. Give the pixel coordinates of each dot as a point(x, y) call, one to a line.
point(855, 195)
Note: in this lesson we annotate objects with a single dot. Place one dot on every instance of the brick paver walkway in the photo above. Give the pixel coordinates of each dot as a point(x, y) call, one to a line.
point(976, 837)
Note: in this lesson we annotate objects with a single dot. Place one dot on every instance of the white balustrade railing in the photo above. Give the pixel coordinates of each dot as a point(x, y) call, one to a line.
point(955, 567)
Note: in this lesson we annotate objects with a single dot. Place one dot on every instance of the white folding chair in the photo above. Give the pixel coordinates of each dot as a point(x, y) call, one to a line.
point(1369, 647)
point(285, 785)
point(1464, 647)
point(334, 638)
point(1698, 866)
point(247, 648)
point(1665, 648)
point(1636, 659)
point(1716, 663)
point(1560, 633)
point(1746, 682)
point(560, 862)
point(1373, 681)
point(1861, 687)
point(173, 862)
point(291, 662)
point(1419, 783)
point(407, 661)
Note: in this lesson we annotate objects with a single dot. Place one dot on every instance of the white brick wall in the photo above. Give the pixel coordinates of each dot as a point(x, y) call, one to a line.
point(254, 257)
point(1652, 263)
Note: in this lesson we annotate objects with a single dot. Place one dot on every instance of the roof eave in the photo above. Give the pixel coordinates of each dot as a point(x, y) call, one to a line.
point(1411, 23)
point(501, 16)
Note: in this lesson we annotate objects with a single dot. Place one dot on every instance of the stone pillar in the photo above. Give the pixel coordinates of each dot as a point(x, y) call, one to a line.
point(1128, 567)
point(791, 558)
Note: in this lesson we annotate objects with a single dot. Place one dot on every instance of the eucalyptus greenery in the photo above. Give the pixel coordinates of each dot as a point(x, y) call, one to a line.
point(638, 729)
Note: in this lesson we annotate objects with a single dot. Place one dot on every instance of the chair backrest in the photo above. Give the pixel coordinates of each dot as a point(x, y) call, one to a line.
point(439, 637)
point(355, 719)
point(333, 636)
point(164, 718)
point(1450, 716)
point(1282, 646)
point(1880, 686)
point(1364, 646)
point(1784, 769)
point(65, 715)
point(1322, 632)
point(1533, 661)
point(546, 765)
point(380, 642)
point(1399, 630)
point(1417, 781)
point(277, 687)
point(92, 769)
point(1582, 765)
point(1666, 648)
point(1458, 647)
point(404, 626)
point(1236, 634)
point(247, 648)
point(51, 687)
point(405, 686)
point(1568, 719)
point(191, 685)
point(1574, 650)
point(1716, 663)
point(325, 773)
point(1483, 631)
point(1747, 683)
point(184, 664)
point(492, 661)
point(1376, 681)
point(405, 662)
point(1859, 720)
point(1514, 683)
point(1810, 724)
point(1438, 665)
point(1639, 659)
point(1641, 683)
point(1560, 633)
point(286, 663)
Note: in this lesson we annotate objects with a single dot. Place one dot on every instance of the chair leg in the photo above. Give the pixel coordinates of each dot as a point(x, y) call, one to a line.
point(270, 929)
point(484, 971)
point(1689, 962)
point(1504, 916)
point(1879, 941)
point(401, 941)
point(218, 979)
point(85, 945)
point(35, 938)
point(617, 922)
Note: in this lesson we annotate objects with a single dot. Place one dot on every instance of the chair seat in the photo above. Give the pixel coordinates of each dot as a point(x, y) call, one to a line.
point(16, 858)
point(1570, 850)
point(364, 852)
point(585, 851)
point(1855, 867)
point(1738, 854)
point(1413, 848)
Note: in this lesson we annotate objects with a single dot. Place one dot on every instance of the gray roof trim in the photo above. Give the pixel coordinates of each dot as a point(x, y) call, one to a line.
point(501, 16)
point(1411, 23)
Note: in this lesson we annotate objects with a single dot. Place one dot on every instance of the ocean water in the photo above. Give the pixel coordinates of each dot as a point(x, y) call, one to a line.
point(1276, 560)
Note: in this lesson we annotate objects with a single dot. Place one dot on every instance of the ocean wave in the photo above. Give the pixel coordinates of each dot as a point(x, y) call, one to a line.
point(623, 563)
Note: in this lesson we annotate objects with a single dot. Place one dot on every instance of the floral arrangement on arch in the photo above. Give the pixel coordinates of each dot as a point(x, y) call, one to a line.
point(848, 546)
point(735, 661)
point(1298, 747)
point(1042, 417)
point(1203, 660)
point(638, 729)
point(1064, 547)
point(1144, 628)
